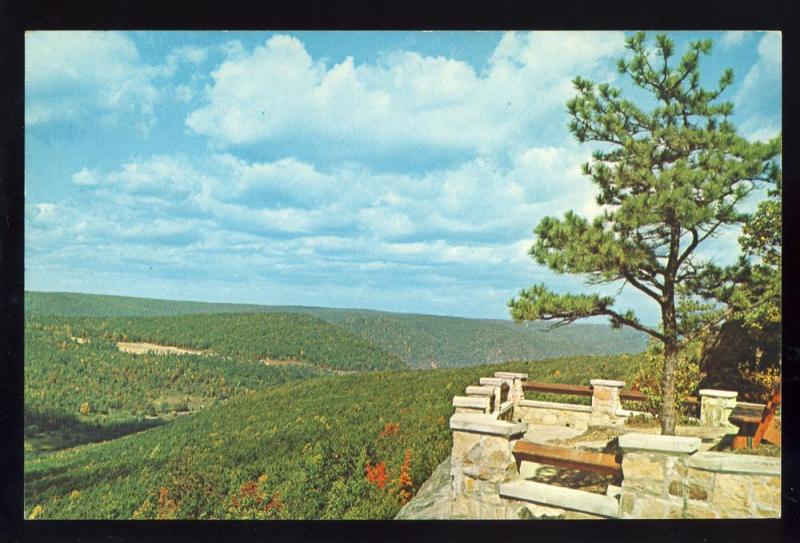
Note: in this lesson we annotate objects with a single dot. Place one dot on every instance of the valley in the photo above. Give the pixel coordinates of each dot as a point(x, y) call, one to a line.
point(215, 415)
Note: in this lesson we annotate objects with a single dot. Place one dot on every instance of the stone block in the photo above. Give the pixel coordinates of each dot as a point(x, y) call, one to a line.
point(716, 406)
point(511, 375)
point(496, 452)
point(730, 497)
point(462, 443)
point(469, 411)
point(699, 511)
point(645, 487)
point(567, 498)
point(549, 418)
point(697, 492)
point(675, 511)
point(602, 394)
point(474, 390)
point(722, 462)
point(545, 513)
point(643, 466)
point(651, 508)
point(675, 488)
point(659, 443)
point(700, 477)
point(473, 402)
point(767, 493)
point(767, 512)
point(713, 393)
point(486, 424)
point(626, 503)
point(607, 383)
point(554, 406)
point(469, 485)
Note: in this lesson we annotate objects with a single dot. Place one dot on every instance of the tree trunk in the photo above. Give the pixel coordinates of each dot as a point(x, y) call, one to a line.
point(668, 410)
point(669, 322)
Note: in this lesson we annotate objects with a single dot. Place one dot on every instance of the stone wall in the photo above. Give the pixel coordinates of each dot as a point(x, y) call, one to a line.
point(665, 477)
point(605, 410)
point(724, 485)
point(536, 412)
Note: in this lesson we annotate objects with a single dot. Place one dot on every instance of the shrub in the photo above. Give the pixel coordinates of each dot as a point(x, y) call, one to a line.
point(762, 381)
point(405, 483)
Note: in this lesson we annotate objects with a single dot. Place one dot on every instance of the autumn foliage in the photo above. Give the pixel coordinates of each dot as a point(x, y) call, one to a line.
point(404, 482)
point(391, 428)
point(377, 475)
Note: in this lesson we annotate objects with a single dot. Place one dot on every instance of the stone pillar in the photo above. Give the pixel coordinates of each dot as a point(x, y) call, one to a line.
point(606, 405)
point(514, 381)
point(716, 406)
point(480, 461)
point(499, 387)
point(654, 469)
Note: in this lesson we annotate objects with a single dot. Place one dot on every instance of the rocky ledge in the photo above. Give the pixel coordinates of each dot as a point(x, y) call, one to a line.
point(432, 502)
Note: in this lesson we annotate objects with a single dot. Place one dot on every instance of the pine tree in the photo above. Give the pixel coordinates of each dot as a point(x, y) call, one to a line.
point(669, 179)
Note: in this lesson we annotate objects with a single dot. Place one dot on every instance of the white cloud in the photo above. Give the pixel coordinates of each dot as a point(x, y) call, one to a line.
point(45, 212)
point(761, 85)
point(479, 200)
point(85, 177)
point(184, 93)
point(467, 224)
point(71, 73)
point(732, 38)
point(279, 90)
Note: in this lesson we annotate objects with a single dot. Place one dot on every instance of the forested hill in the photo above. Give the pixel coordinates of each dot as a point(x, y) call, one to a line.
point(422, 341)
point(426, 341)
point(321, 448)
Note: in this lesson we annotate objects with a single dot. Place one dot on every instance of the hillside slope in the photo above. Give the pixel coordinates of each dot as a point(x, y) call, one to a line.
point(422, 341)
point(80, 388)
point(327, 447)
point(426, 341)
point(257, 336)
point(75, 304)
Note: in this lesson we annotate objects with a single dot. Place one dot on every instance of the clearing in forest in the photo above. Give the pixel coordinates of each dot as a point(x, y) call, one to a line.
point(142, 348)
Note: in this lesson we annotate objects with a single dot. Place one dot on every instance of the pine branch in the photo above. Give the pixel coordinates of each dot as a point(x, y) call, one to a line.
point(642, 287)
point(633, 323)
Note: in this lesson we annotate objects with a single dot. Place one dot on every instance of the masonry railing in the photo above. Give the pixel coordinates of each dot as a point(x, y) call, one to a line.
point(662, 476)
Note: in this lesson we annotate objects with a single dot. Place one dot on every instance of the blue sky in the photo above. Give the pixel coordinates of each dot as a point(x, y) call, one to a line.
point(402, 171)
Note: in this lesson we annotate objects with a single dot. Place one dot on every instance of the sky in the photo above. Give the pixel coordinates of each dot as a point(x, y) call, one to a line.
point(400, 171)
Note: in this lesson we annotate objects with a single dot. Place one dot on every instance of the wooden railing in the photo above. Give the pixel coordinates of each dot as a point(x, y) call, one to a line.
point(557, 388)
point(564, 457)
point(584, 390)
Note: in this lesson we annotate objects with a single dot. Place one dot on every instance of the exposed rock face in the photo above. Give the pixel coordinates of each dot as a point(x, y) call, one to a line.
point(433, 501)
point(732, 346)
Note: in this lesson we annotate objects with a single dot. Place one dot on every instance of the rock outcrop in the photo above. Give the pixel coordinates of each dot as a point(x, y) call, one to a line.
point(433, 501)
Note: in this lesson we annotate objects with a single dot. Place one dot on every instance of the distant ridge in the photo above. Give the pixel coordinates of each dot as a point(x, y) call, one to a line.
point(422, 341)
